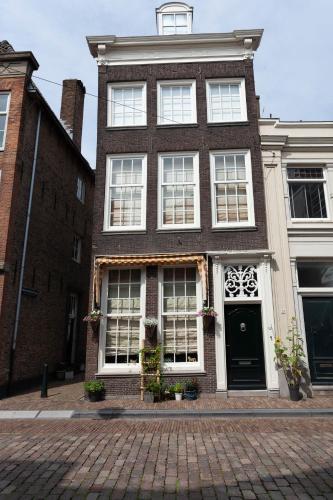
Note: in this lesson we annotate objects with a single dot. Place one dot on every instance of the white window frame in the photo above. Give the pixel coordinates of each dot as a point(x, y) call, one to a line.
point(107, 208)
point(198, 366)
point(76, 256)
point(322, 181)
point(196, 192)
point(242, 94)
point(247, 181)
point(174, 13)
point(176, 83)
point(120, 368)
point(115, 85)
point(81, 190)
point(6, 113)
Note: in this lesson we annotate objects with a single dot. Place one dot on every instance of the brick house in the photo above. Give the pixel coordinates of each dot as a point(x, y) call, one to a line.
point(46, 193)
point(179, 217)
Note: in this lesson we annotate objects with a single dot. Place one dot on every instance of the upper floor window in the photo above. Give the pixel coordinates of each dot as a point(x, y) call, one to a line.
point(174, 18)
point(179, 191)
point(81, 189)
point(176, 102)
point(232, 196)
point(4, 107)
point(226, 101)
point(125, 196)
point(307, 193)
point(127, 104)
point(77, 247)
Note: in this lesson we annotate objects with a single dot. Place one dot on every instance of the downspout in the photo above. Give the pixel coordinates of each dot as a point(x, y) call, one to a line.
point(24, 253)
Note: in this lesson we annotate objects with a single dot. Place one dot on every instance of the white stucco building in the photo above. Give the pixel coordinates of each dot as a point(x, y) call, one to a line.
point(298, 172)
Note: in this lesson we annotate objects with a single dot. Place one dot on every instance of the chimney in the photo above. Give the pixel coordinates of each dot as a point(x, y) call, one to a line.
point(71, 113)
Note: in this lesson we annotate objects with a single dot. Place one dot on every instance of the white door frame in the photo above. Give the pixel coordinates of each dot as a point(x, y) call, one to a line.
point(266, 301)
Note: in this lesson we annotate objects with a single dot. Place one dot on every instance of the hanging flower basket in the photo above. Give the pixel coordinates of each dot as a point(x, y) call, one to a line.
point(94, 319)
point(208, 319)
point(150, 325)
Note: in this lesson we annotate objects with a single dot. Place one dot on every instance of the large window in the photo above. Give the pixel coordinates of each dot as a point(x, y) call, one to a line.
point(125, 197)
point(179, 315)
point(232, 197)
point(176, 102)
point(307, 193)
point(4, 107)
point(179, 191)
point(123, 316)
point(127, 104)
point(226, 101)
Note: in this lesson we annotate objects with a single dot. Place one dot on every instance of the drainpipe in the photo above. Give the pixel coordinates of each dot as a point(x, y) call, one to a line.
point(24, 253)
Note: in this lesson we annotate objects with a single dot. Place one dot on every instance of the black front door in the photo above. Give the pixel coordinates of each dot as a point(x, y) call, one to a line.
point(318, 317)
point(245, 353)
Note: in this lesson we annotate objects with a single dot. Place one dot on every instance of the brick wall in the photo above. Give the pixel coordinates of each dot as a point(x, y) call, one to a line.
point(152, 140)
point(56, 215)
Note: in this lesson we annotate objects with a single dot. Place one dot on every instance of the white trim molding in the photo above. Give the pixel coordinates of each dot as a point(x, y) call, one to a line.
point(264, 297)
point(242, 98)
point(247, 181)
point(196, 191)
point(107, 200)
point(161, 118)
point(130, 107)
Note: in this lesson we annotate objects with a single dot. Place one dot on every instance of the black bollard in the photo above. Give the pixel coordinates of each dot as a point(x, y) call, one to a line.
point(43, 390)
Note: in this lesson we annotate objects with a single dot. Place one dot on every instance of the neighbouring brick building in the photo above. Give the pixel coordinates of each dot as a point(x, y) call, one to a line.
point(46, 198)
point(179, 218)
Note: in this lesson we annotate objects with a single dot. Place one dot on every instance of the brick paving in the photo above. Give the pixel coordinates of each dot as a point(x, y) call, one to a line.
point(70, 396)
point(174, 459)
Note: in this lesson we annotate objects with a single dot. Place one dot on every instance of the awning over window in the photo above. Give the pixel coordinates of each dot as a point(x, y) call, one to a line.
point(148, 260)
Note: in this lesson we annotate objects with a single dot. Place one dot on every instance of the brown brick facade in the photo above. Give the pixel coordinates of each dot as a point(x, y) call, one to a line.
point(155, 139)
point(56, 215)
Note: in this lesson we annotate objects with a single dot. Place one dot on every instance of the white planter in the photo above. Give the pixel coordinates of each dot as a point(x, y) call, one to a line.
point(178, 396)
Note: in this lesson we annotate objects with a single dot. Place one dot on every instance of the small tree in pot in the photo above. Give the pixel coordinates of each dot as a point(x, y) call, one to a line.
point(94, 390)
point(291, 359)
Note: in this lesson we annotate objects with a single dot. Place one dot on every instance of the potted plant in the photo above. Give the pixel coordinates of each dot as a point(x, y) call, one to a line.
point(178, 390)
point(191, 389)
point(94, 318)
point(291, 359)
point(150, 325)
point(152, 391)
point(208, 315)
point(94, 390)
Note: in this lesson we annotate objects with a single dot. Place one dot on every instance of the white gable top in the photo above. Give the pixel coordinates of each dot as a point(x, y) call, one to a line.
point(111, 50)
point(174, 18)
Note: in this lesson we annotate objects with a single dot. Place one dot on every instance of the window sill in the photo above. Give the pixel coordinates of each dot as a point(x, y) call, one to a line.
point(125, 231)
point(177, 125)
point(126, 127)
point(228, 124)
point(109, 374)
point(179, 230)
point(234, 228)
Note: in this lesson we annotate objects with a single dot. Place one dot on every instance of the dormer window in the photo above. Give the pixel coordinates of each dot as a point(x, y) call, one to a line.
point(174, 19)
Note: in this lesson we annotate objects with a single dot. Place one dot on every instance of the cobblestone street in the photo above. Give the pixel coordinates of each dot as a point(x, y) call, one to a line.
point(234, 458)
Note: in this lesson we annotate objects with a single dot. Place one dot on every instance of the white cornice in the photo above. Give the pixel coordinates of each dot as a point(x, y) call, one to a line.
point(276, 123)
point(112, 50)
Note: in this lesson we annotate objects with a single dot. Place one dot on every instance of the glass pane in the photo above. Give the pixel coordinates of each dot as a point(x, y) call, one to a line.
point(305, 173)
point(3, 102)
point(315, 274)
point(307, 201)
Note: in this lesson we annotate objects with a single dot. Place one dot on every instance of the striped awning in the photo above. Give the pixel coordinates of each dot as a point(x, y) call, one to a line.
point(103, 262)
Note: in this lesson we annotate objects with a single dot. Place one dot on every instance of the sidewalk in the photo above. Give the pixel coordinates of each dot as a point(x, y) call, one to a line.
point(70, 396)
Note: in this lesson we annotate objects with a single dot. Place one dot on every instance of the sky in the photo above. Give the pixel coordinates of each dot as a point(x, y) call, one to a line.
point(293, 65)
